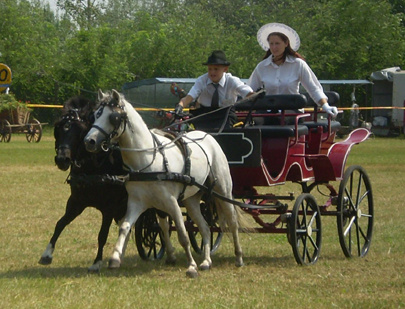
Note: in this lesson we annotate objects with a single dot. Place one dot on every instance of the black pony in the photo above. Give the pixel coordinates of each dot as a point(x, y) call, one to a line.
point(92, 181)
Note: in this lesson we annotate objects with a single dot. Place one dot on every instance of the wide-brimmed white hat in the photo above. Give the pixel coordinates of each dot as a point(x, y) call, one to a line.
point(265, 30)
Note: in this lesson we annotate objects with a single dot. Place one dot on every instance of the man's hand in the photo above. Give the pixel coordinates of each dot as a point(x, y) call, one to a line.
point(178, 110)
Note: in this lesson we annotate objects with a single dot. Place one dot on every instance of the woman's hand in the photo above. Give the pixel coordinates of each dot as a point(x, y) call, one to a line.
point(331, 110)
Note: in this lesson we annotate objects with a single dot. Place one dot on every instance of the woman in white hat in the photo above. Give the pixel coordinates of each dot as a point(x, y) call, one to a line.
point(283, 69)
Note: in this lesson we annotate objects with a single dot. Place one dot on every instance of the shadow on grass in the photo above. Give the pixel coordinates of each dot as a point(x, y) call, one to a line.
point(133, 266)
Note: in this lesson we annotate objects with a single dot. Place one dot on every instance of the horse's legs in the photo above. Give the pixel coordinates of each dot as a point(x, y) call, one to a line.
point(134, 210)
point(73, 209)
point(124, 248)
point(102, 239)
point(229, 214)
point(194, 211)
point(184, 241)
point(164, 225)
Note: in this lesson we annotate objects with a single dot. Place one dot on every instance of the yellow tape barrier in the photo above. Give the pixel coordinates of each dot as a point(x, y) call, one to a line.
point(151, 109)
point(61, 106)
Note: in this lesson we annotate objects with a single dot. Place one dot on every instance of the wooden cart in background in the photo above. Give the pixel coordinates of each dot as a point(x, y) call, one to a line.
point(19, 120)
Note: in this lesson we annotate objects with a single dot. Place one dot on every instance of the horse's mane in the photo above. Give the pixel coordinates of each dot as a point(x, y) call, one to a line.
point(83, 105)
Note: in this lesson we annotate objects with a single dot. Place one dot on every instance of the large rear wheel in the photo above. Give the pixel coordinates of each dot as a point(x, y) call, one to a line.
point(305, 230)
point(355, 212)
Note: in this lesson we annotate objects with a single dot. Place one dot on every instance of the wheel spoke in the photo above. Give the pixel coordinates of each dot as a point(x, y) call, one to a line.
point(349, 196)
point(358, 238)
point(359, 187)
point(304, 248)
point(349, 227)
point(313, 243)
point(364, 196)
point(312, 218)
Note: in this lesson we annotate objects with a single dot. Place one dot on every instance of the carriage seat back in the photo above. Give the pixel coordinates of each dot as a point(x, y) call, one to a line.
point(333, 99)
point(274, 102)
point(313, 125)
point(276, 131)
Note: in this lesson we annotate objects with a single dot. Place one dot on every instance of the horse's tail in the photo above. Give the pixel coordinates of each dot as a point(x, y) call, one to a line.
point(245, 225)
point(236, 215)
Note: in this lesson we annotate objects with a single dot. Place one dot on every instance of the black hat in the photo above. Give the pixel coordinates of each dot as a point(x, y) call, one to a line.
point(217, 57)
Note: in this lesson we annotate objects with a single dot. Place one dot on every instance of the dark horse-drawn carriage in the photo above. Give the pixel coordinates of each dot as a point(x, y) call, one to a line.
point(302, 151)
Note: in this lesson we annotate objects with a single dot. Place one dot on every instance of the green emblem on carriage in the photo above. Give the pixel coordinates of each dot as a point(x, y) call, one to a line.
point(5, 77)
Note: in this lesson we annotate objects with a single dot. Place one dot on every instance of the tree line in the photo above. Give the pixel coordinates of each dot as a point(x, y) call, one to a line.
point(90, 44)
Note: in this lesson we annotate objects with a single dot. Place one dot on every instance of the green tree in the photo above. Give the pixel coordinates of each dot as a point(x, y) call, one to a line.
point(29, 43)
point(84, 13)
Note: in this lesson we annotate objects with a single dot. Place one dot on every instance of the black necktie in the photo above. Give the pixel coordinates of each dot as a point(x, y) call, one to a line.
point(215, 97)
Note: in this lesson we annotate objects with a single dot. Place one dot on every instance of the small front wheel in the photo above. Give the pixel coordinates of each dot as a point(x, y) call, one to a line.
point(149, 236)
point(355, 212)
point(305, 230)
point(211, 216)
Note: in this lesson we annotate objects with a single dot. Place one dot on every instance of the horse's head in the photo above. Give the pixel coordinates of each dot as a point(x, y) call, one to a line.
point(110, 122)
point(70, 130)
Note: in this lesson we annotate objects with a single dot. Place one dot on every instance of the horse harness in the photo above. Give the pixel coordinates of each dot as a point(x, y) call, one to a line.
point(118, 116)
point(166, 174)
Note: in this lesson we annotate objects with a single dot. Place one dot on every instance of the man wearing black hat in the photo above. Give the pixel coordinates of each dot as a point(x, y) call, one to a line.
point(213, 90)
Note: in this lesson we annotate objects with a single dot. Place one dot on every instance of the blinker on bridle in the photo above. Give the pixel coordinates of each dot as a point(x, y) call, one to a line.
point(116, 118)
point(67, 119)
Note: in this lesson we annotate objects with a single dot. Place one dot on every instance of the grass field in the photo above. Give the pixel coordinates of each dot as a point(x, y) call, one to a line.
point(33, 196)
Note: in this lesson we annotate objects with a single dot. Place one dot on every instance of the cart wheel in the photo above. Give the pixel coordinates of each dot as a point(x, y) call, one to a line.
point(355, 212)
point(5, 131)
point(34, 131)
point(305, 230)
point(149, 237)
point(211, 216)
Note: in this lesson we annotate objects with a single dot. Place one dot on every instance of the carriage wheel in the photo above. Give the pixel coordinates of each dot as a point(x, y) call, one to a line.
point(305, 230)
point(5, 131)
point(211, 216)
point(355, 212)
point(149, 236)
point(34, 131)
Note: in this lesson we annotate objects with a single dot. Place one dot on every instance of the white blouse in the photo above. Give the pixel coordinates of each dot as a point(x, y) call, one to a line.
point(286, 78)
point(230, 87)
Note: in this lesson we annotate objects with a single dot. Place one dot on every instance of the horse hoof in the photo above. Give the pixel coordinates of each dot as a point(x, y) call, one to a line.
point(94, 269)
point(192, 272)
point(239, 264)
point(113, 264)
point(205, 267)
point(45, 260)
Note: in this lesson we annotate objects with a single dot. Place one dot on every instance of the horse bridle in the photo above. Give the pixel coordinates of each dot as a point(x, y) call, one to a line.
point(71, 116)
point(116, 118)
point(68, 118)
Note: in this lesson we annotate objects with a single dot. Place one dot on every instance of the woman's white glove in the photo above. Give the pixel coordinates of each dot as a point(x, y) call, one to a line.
point(331, 110)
